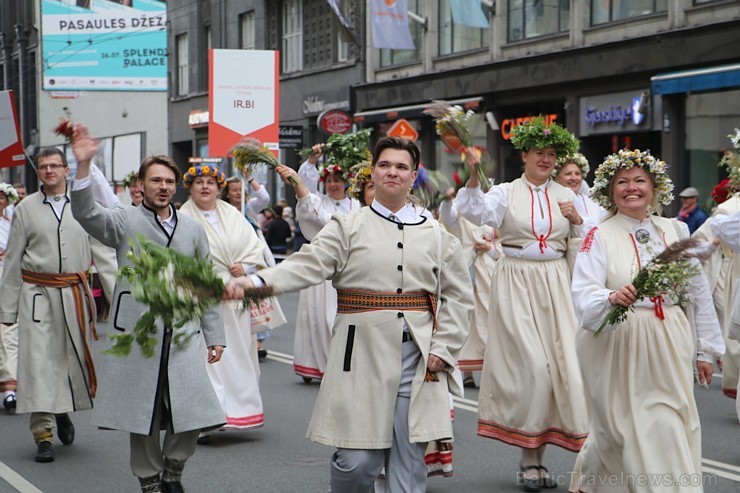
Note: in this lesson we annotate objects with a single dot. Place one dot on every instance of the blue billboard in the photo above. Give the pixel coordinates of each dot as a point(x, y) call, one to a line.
point(104, 45)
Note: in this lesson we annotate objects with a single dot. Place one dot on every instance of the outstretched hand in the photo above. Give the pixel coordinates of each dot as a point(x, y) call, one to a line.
point(84, 147)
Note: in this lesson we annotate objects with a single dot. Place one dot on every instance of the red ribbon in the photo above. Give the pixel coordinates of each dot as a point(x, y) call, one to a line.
point(543, 243)
point(658, 300)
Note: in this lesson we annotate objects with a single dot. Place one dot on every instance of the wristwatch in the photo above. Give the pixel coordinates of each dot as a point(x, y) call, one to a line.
point(250, 181)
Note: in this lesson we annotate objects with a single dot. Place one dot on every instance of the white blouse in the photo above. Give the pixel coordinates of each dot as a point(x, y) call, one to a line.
point(490, 208)
point(309, 173)
point(314, 212)
point(727, 228)
point(591, 297)
point(587, 208)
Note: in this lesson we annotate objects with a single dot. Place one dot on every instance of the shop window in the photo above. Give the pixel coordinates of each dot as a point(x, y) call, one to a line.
point(605, 11)
point(247, 35)
point(710, 118)
point(456, 38)
point(183, 84)
point(389, 58)
point(533, 18)
point(292, 52)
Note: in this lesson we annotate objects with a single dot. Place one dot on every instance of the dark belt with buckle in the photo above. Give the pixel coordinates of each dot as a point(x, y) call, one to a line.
point(407, 337)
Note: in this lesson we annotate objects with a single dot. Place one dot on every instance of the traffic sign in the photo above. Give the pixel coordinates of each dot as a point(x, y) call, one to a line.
point(402, 128)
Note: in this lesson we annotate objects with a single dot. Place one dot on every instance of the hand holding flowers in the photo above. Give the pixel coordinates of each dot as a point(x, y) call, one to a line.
point(250, 153)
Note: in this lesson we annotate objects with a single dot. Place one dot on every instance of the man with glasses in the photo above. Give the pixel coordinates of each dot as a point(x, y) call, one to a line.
point(44, 287)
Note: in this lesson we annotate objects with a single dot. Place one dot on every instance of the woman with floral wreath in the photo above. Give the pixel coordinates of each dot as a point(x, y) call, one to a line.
point(571, 171)
point(531, 390)
point(131, 181)
point(639, 374)
point(317, 305)
point(236, 251)
point(8, 334)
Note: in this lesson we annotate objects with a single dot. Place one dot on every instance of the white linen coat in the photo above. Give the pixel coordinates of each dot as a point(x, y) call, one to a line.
point(364, 250)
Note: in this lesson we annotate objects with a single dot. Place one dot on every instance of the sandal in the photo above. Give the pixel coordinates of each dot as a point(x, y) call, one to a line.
point(528, 484)
point(546, 480)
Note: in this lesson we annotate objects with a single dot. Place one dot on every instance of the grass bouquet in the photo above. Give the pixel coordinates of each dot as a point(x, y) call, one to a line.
point(249, 154)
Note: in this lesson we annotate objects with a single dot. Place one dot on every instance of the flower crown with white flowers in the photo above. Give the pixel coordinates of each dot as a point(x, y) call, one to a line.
point(731, 160)
point(626, 159)
point(536, 134)
point(205, 170)
point(578, 159)
point(10, 192)
point(131, 179)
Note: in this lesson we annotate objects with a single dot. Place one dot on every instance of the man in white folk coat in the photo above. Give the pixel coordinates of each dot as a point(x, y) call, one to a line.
point(44, 286)
point(170, 391)
point(384, 394)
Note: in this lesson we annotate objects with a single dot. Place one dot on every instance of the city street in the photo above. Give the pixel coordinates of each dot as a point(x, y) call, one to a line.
point(278, 458)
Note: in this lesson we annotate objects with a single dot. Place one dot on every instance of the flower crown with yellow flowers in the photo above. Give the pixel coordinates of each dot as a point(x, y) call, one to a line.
point(205, 170)
point(362, 175)
point(626, 159)
point(536, 134)
point(578, 159)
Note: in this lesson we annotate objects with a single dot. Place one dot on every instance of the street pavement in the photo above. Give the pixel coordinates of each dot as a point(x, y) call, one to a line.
point(277, 458)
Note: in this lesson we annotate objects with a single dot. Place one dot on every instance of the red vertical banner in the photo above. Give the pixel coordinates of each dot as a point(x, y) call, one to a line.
point(11, 146)
point(243, 98)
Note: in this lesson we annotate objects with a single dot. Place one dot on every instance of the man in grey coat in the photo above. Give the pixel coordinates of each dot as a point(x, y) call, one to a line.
point(138, 394)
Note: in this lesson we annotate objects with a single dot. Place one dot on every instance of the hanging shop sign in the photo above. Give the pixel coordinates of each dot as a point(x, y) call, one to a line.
point(334, 122)
point(622, 112)
point(318, 102)
point(240, 105)
point(291, 136)
point(508, 124)
point(198, 118)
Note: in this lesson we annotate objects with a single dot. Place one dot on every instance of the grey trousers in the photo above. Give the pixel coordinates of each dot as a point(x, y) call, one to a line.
point(147, 454)
point(355, 470)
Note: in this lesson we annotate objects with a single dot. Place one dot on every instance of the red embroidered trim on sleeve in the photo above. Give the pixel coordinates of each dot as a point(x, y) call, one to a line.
point(588, 241)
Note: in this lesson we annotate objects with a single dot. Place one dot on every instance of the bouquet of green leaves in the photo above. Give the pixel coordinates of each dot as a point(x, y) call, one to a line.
point(249, 153)
point(177, 288)
point(452, 124)
point(345, 150)
point(667, 274)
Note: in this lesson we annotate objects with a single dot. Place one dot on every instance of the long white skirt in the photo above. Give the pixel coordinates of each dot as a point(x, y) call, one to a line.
point(317, 309)
point(235, 377)
point(531, 390)
point(645, 433)
point(471, 354)
point(8, 354)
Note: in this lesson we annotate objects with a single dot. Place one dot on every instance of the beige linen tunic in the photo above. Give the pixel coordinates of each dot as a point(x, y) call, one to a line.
point(364, 250)
point(51, 363)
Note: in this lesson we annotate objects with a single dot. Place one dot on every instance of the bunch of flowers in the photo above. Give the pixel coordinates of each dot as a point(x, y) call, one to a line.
point(668, 274)
point(452, 124)
point(722, 191)
point(205, 170)
point(626, 159)
point(249, 153)
point(131, 179)
point(65, 128)
point(430, 186)
point(177, 288)
point(10, 192)
point(578, 159)
point(536, 134)
point(362, 174)
point(731, 160)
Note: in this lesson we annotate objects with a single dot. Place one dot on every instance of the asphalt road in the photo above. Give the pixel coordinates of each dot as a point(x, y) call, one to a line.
point(279, 459)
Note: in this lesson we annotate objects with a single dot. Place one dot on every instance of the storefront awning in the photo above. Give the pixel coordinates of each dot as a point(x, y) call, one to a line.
point(697, 80)
point(411, 111)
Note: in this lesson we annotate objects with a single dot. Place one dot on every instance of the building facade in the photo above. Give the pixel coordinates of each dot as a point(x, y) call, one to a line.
point(653, 74)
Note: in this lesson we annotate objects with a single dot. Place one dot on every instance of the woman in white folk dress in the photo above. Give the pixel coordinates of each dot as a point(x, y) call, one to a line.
point(531, 390)
point(8, 334)
point(639, 374)
point(317, 305)
point(235, 251)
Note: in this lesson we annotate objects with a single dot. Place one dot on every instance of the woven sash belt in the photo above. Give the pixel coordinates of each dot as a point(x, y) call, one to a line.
point(360, 300)
point(78, 282)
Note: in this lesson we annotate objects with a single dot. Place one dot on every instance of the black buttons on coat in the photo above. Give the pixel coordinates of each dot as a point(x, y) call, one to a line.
point(399, 267)
point(400, 245)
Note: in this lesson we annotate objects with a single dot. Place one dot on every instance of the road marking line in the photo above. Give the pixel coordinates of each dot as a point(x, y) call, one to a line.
point(16, 480)
point(715, 463)
point(277, 355)
point(722, 474)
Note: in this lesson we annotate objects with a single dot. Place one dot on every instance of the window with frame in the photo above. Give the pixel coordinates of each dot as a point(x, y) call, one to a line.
point(456, 38)
point(247, 34)
point(606, 11)
point(389, 58)
point(292, 51)
point(183, 82)
point(533, 18)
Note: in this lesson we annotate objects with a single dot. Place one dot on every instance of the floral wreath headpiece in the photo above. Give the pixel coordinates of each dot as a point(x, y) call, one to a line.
point(536, 134)
point(204, 170)
point(362, 175)
point(343, 152)
point(626, 159)
point(731, 160)
point(10, 192)
point(578, 159)
point(131, 179)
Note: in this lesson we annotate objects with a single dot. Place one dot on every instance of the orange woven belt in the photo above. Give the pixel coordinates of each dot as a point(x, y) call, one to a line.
point(360, 300)
point(78, 282)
